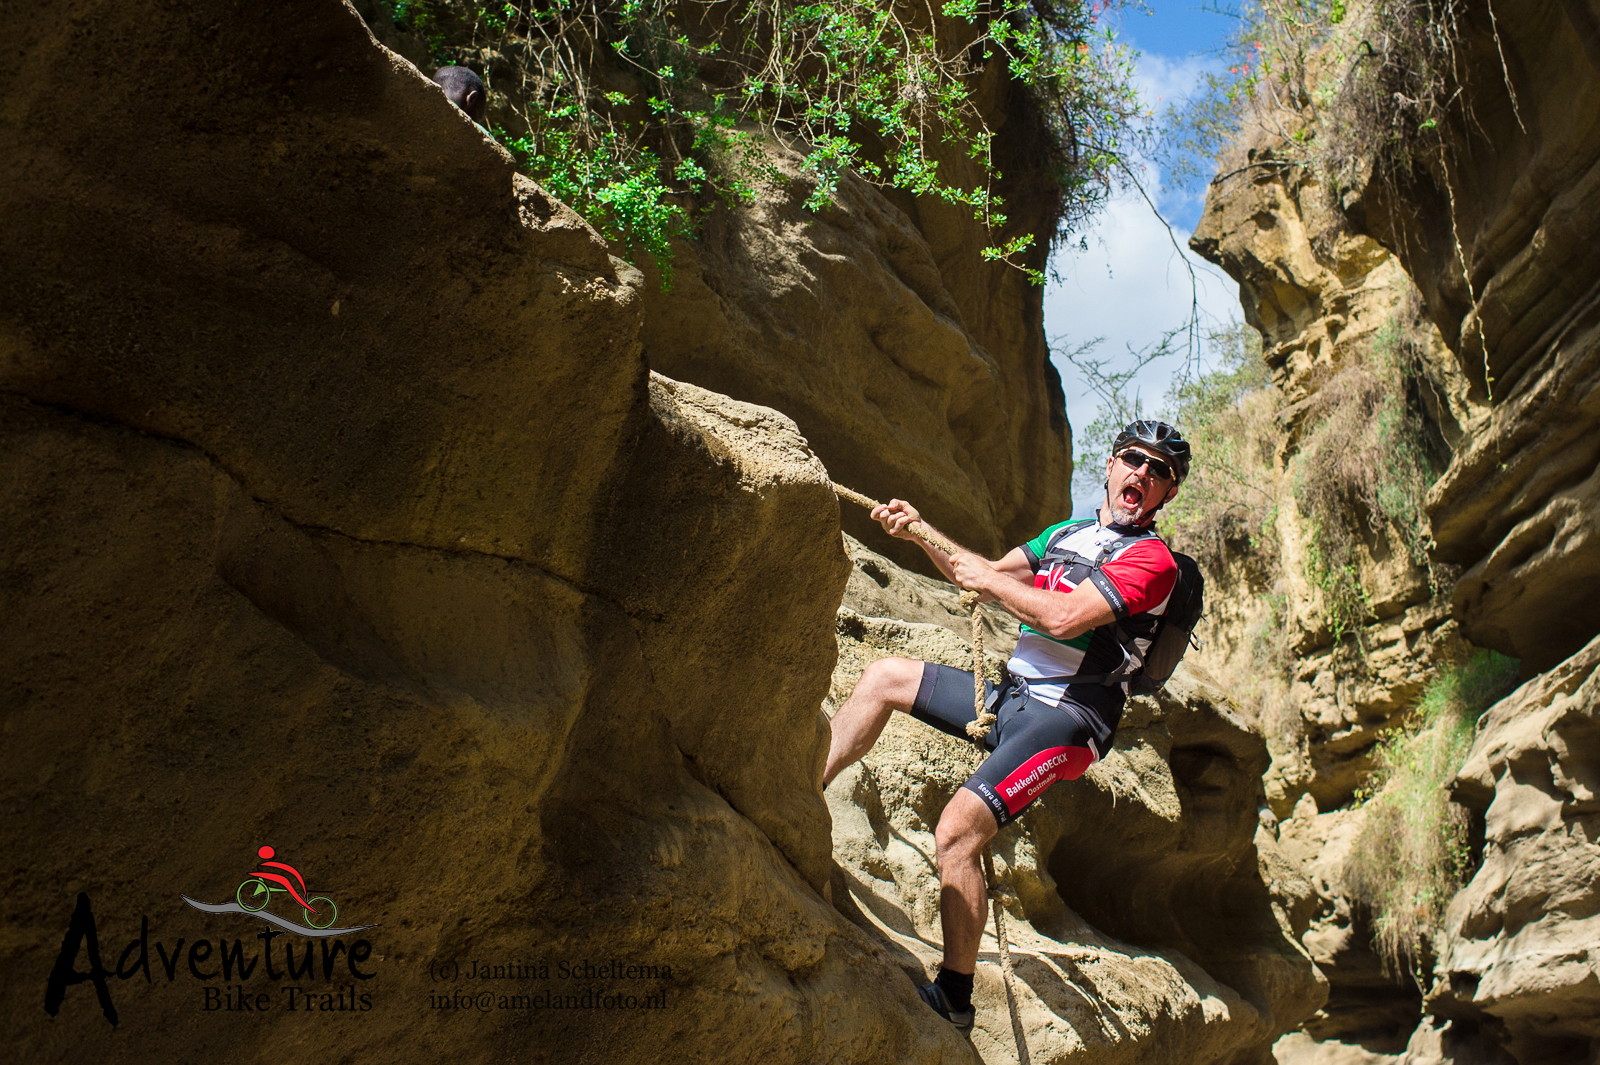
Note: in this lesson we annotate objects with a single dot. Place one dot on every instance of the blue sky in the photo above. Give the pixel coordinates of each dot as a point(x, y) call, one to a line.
point(1177, 29)
point(1131, 286)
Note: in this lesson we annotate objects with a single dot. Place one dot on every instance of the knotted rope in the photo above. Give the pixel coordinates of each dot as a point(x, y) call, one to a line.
point(977, 729)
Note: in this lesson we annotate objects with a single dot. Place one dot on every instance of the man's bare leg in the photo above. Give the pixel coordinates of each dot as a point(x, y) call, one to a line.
point(889, 684)
point(964, 828)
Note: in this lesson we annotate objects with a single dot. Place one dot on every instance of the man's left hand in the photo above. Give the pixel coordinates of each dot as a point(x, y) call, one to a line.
point(973, 572)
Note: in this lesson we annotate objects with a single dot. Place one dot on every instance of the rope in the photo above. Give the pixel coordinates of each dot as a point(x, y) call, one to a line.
point(977, 729)
point(982, 721)
point(916, 528)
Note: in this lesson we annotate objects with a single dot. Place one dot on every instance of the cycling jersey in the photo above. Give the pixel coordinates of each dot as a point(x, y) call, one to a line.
point(1136, 578)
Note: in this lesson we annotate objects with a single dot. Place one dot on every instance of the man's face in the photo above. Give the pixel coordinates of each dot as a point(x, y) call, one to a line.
point(1136, 493)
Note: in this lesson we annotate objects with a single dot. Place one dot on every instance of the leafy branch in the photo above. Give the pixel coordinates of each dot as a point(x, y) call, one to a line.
point(639, 112)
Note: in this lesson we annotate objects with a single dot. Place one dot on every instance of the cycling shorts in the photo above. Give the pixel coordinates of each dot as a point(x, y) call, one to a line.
point(1033, 744)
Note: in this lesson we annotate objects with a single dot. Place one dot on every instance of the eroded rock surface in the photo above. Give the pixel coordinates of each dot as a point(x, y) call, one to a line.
point(1372, 1009)
point(343, 515)
point(1496, 232)
point(1518, 506)
point(893, 360)
point(1151, 918)
point(1521, 944)
point(1324, 297)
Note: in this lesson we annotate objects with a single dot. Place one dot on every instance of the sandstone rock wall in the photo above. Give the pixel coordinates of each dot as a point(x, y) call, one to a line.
point(1496, 232)
point(895, 360)
point(343, 515)
point(915, 368)
point(1520, 941)
point(1323, 298)
point(1492, 229)
point(1372, 1009)
point(1513, 974)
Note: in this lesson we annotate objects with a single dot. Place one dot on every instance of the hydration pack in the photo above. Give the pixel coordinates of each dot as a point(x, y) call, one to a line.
point(1174, 630)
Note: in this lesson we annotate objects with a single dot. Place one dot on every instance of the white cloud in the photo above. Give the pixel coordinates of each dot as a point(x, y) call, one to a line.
point(1130, 286)
point(1164, 80)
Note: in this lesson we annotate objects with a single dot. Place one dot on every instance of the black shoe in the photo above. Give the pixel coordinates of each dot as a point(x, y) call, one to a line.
point(934, 996)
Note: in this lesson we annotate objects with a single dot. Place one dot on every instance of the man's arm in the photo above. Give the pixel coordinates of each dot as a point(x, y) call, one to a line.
point(1063, 615)
point(1008, 580)
point(896, 517)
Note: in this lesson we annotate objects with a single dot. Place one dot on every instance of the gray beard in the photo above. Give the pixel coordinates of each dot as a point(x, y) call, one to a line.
point(1123, 516)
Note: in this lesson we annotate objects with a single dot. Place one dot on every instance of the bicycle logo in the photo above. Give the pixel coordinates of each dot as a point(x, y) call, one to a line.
point(255, 894)
point(267, 883)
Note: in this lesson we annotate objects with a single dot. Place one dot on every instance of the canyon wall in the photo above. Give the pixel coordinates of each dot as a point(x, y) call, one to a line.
point(346, 516)
point(892, 352)
point(878, 326)
point(1325, 298)
point(1495, 230)
point(1518, 951)
point(1490, 228)
point(874, 321)
point(1514, 291)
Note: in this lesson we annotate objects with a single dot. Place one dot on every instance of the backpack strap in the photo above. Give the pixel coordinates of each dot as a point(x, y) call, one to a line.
point(1061, 534)
point(1109, 589)
point(1098, 577)
point(1068, 530)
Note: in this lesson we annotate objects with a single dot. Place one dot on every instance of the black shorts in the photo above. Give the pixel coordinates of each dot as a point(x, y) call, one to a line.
point(1033, 744)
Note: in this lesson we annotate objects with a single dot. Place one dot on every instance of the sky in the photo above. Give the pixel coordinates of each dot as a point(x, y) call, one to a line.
point(1130, 285)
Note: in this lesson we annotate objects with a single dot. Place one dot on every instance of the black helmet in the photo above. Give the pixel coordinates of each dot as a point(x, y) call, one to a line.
point(1159, 437)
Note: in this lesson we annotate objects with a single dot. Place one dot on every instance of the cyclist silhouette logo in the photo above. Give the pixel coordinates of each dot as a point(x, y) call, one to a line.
point(256, 892)
point(269, 881)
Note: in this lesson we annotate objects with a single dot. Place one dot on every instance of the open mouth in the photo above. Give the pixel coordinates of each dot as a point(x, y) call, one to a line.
point(1131, 497)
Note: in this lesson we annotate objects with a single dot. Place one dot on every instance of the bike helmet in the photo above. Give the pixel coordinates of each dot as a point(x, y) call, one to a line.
point(1158, 437)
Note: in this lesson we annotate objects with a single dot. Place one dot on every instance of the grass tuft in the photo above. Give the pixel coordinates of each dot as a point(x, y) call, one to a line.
point(1412, 853)
point(1363, 471)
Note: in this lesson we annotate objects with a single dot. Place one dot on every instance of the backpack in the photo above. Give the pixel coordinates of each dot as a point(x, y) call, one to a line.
point(1174, 630)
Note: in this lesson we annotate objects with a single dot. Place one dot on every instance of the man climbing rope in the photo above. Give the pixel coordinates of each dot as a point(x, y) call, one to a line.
point(1088, 594)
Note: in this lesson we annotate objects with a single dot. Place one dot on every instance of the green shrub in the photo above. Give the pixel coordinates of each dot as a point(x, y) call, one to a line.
point(1411, 854)
point(635, 112)
point(1351, 92)
point(1398, 87)
point(1277, 81)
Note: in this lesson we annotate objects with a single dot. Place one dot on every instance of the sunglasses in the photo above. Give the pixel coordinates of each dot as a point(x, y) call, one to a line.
point(1137, 460)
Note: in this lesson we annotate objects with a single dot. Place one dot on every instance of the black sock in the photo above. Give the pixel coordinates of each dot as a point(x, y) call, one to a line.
point(957, 987)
